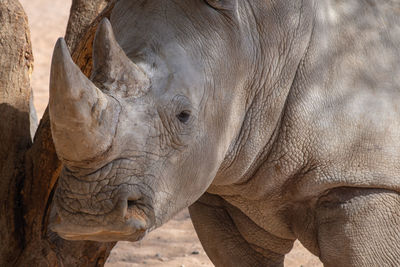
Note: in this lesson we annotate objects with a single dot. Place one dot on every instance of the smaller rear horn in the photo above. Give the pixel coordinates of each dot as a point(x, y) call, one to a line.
point(112, 69)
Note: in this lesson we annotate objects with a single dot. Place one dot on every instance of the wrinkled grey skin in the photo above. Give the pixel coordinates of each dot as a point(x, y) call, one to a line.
point(290, 128)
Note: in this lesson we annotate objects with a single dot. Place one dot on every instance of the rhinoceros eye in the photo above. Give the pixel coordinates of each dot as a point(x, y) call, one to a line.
point(184, 116)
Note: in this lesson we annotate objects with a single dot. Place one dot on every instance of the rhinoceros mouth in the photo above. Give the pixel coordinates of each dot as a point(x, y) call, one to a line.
point(129, 219)
point(103, 235)
point(133, 226)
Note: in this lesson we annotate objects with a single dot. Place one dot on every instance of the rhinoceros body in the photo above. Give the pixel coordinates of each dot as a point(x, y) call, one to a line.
point(273, 120)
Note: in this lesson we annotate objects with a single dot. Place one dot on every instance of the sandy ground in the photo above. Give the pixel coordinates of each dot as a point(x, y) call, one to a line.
point(173, 245)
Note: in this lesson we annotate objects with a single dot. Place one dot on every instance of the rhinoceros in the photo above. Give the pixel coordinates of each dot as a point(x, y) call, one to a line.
point(271, 120)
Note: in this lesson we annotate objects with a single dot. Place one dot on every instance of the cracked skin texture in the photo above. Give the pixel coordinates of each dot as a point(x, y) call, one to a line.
point(331, 176)
point(307, 139)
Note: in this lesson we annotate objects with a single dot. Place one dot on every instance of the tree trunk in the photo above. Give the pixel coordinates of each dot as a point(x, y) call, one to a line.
point(82, 14)
point(16, 63)
point(29, 171)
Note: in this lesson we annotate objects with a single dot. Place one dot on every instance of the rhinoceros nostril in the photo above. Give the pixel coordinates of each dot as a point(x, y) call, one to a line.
point(132, 203)
point(136, 213)
point(135, 204)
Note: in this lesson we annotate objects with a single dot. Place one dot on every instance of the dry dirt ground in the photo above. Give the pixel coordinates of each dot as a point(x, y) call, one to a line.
point(173, 245)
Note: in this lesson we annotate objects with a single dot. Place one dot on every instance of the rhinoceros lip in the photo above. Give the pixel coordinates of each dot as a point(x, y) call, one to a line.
point(134, 227)
point(106, 236)
point(132, 230)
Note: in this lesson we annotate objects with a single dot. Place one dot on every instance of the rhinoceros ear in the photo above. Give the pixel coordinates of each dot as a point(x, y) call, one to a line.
point(113, 71)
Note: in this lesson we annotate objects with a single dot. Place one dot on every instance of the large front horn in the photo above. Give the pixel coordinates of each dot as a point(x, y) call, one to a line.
point(83, 119)
point(112, 69)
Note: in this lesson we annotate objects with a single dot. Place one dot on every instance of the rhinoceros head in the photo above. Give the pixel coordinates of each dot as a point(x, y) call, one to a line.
point(144, 137)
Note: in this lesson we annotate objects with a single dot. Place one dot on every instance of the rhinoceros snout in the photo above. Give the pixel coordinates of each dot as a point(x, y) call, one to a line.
point(129, 220)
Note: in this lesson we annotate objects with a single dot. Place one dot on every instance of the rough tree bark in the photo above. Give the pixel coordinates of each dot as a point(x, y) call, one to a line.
point(29, 171)
point(82, 14)
point(16, 63)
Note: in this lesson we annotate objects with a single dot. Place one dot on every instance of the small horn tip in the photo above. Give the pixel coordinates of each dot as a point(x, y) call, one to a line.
point(104, 43)
point(105, 26)
point(61, 50)
point(105, 21)
point(60, 44)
